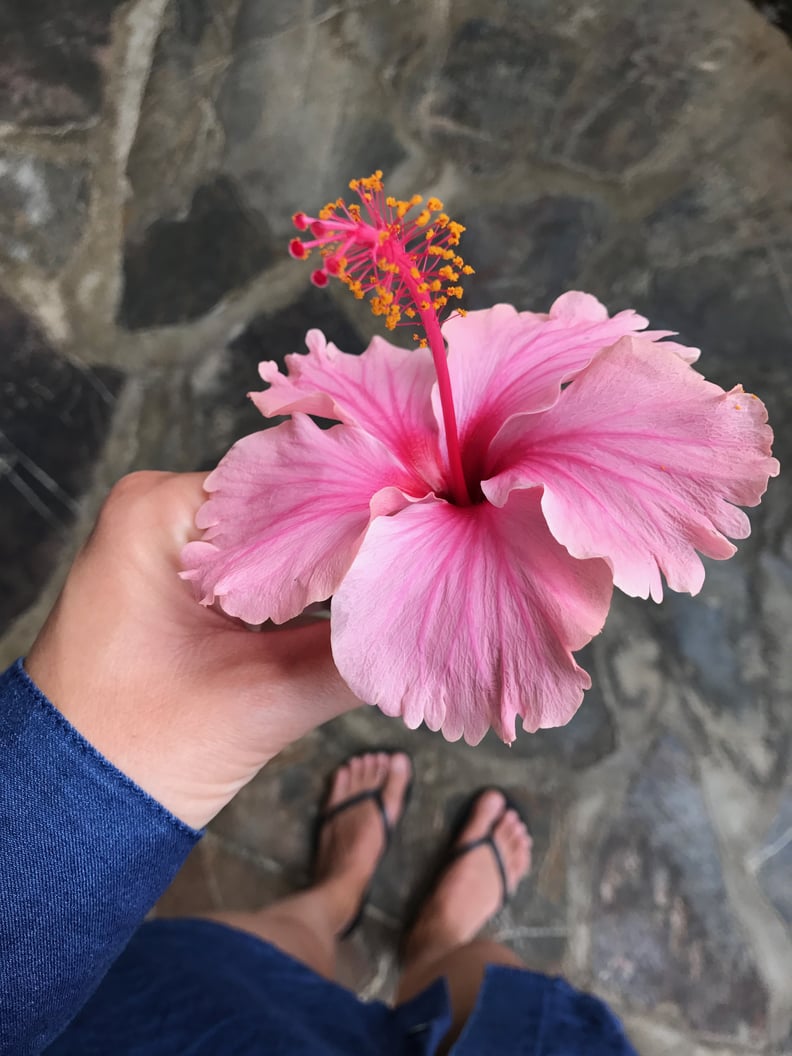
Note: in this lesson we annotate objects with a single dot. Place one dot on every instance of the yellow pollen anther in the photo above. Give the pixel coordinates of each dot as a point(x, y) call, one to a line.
point(388, 259)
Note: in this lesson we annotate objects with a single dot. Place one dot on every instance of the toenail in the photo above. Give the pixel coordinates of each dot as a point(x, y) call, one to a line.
point(400, 763)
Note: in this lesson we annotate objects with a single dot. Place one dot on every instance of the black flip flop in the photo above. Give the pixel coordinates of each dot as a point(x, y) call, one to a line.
point(453, 851)
point(375, 795)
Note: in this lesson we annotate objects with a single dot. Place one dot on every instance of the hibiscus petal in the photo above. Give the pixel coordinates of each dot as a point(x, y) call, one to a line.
point(466, 617)
point(503, 362)
point(288, 509)
point(685, 352)
point(386, 391)
point(641, 460)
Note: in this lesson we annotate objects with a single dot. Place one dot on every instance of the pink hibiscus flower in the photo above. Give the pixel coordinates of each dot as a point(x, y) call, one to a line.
point(469, 518)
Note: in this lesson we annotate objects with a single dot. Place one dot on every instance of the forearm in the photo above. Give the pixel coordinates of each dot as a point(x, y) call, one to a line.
point(84, 854)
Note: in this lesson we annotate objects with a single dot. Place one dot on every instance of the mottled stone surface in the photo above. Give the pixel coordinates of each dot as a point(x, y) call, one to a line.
point(51, 61)
point(774, 859)
point(218, 246)
point(662, 930)
point(178, 138)
point(528, 253)
point(298, 90)
point(54, 419)
point(778, 11)
point(484, 121)
point(639, 151)
point(42, 209)
point(733, 665)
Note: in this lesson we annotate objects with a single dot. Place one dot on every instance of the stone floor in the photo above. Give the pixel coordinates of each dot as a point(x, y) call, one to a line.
point(151, 154)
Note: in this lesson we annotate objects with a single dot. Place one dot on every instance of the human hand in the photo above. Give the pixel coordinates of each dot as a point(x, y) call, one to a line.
point(185, 701)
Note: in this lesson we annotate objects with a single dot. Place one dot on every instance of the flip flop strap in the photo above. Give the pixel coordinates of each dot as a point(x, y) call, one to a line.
point(373, 794)
point(486, 841)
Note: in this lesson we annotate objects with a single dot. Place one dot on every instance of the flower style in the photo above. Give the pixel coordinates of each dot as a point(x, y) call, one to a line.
point(470, 549)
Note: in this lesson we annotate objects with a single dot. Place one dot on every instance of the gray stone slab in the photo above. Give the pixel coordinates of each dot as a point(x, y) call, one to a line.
point(728, 649)
point(497, 91)
point(528, 253)
point(299, 95)
point(180, 269)
point(51, 61)
point(663, 931)
point(598, 87)
point(775, 857)
point(727, 305)
point(779, 13)
point(42, 209)
point(54, 417)
point(178, 140)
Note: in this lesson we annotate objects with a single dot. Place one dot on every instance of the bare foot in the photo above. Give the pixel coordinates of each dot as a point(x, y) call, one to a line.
point(469, 892)
point(351, 844)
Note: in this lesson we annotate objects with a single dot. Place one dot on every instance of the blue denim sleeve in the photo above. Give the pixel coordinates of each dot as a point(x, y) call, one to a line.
point(84, 854)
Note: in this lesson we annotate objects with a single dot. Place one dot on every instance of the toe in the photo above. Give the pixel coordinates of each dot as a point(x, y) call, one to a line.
point(369, 770)
point(487, 809)
point(399, 771)
point(357, 769)
point(381, 766)
point(339, 788)
point(514, 844)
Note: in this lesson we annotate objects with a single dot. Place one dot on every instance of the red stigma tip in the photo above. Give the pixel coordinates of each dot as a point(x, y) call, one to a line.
point(332, 266)
point(297, 249)
point(300, 221)
point(318, 228)
point(319, 277)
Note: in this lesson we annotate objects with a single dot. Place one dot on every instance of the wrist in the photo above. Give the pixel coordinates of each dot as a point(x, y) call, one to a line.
point(171, 769)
